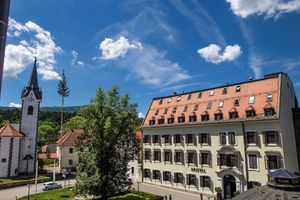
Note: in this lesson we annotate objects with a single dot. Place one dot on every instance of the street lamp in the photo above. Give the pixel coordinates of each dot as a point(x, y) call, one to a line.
point(29, 185)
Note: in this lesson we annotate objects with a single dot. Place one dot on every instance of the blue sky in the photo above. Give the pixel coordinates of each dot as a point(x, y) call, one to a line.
point(148, 48)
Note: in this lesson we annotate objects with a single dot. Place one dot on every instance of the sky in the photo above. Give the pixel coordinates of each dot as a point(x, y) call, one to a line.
point(149, 48)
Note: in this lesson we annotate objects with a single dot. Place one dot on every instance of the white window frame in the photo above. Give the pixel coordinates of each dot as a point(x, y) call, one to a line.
point(257, 161)
point(211, 93)
point(178, 98)
point(221, 104)
point(238, 88)
point(169, 100)
point(257, 136)
point(269, 97)
point(251, 99)
point(227, 138)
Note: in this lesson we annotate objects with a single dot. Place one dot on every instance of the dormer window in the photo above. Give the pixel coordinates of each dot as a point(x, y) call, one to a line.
point(236, 102)
point(221, 103)
point(199, 95)
point(161, 120)
point(169, 100)
point(211, 93)
point(269, 98)
point(218, 115)
point(209, 105)
point(205, 116)
point(156, 112)
point(185, 109)
point(181, 118)
point(269, 110)
point(238, 88)
point(166, 111)
point(171, 120)
point(189, 97)
point(178, 98)
point(233, 114)
point(193, 117)
point(196, 107)
point(152, 121)
point(224, 91)
point(174, 110)
point(160, 101)
point(30, 110)
point(251, 100)
point(250, 112)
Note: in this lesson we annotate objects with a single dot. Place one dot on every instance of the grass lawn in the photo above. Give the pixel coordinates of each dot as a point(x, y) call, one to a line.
point(21, 179)
point(58, 194)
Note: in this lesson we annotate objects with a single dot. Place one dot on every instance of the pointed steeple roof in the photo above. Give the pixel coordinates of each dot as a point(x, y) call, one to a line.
point(33, 81)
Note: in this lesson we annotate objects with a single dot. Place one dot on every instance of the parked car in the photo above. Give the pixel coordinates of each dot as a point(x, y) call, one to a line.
point(51, 186)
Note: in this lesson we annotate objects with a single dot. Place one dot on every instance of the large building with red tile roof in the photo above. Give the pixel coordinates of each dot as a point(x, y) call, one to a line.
point(229, 136)
point(18, 143)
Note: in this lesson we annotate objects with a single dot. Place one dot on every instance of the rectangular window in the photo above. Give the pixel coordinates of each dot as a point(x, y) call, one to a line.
point(221, 103)
point(251, 100)
point(70, 162)
point(238, 88)
point(236, 102)
point(169, 100)
point(204, 138)
point(156, 139)
point(146, 173)
point(156, 112)
point(211, 93)
point(222, 136)
point(177, 138)
point(200, 95)
point(189, 97)
point(178, 158)
point(147, 155)
point(167, 156)
point(3, 160)
point(167, 176)
point(190, 138)
point(178, 178)
point(70, 150)
point(190, 158)
point(132, 170)
point(166, 111)
point(273, 162)
point(224, 91)
point(251, 137)
point(160, 101)
point(270, 137)
point(231, 138)
point(253, 161)
point(233, 115)
point(196, 107)
point(170, 120)
point(174, 110)
point(185, 108)
point(167, 139)
point(147, 139)
point(178, 98)
point(269, 98)
point(204, 181)
point(209, 105)
point(157, 155)
point(191, 179)
point(205, 158)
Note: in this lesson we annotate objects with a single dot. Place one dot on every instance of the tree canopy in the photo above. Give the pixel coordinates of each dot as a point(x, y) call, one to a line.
point(109, 143)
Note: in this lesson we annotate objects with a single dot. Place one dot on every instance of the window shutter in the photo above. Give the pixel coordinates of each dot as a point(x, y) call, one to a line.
point(200, 158)
point(266, 162)
point(220, 139)
point(264, 137)
point(195, 158)
point(209, 139)
point(229, 138)
point(195, 139)
point(209, 159)
point(171, 157)
point(182, 140)
point(256, 138)
point(174, 139)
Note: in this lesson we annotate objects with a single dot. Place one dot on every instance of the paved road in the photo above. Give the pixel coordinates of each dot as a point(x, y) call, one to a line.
point(12, 193)
point(176, 194)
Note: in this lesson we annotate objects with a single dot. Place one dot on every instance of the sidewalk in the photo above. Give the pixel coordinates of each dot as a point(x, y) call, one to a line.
point(164, 191)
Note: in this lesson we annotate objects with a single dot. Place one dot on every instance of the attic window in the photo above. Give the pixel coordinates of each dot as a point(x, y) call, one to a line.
point(236, 102)
point(224, 91)
point(156, 112)
point(178, 98)
point(174, 110)
point(166, 111)
point(196, 107)
point(189, 97)
point(160, 102)
point(169, 100)
point(269, 98)
point(238, 88)
point(200, 95)
point(209, 105)
point(185, 108)
point(251, 99)
point(30, 110)
point(211, 93)
point(221, 103)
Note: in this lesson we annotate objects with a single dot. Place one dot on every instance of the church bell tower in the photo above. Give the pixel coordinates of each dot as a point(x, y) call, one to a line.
point(31, 99)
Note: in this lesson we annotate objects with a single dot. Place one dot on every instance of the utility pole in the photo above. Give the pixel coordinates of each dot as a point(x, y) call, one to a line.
point(54, 170)
point(4, 13)
point(36, 170)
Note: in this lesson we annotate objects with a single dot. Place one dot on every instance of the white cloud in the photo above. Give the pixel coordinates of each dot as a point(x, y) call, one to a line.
point(113, 49)
point(212, 53)
point(141, 115)
point(75, 61)
point(269, 8)
point(14, 105)
point(38, 42)
point(146, 64)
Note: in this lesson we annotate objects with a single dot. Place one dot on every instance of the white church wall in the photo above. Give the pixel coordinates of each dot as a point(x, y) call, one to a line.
point(4, 152)
point(15, 157)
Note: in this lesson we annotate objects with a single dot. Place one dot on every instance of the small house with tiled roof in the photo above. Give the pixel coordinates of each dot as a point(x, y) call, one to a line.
point(10, 140)
point(67, 156)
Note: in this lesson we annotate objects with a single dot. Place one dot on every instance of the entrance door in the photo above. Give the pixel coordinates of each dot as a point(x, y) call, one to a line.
point(229, 186)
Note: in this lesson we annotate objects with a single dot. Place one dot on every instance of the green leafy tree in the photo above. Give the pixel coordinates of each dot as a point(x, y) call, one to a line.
point(76, 122)
point(47, 133)
point(63, 91)
point(109, 143)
